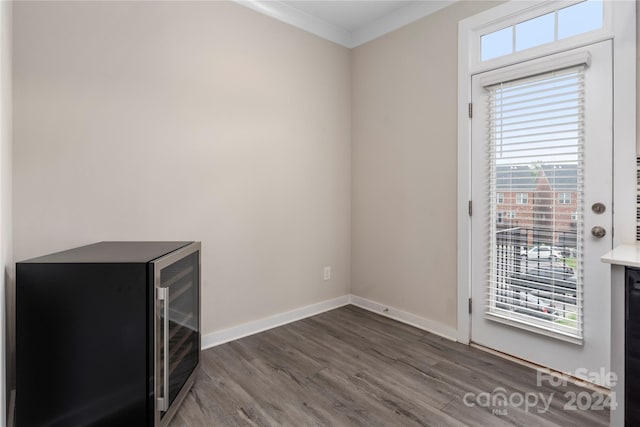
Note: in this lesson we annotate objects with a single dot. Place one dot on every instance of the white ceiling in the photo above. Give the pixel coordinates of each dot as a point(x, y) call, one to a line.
point(349, 23)
point(348, 15)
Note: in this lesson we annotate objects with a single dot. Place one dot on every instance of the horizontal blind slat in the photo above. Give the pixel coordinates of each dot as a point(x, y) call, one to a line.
point(499, 102)
point(505, 120)
point(542, 119)
point(502, 139)
point(533, 85)
point(499, 113)
point(502, 128)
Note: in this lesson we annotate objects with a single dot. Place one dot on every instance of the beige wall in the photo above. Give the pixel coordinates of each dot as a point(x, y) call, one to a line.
point(404, 173)
point(246, 121)
point(6, 257)
point(186, 121)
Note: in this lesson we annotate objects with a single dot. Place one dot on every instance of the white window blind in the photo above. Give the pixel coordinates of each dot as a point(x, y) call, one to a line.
point(536, 145)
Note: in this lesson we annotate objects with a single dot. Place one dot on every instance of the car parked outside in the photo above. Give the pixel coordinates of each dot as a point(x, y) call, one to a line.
point(545, 252)
point(564, 251)
point(548, 280)
point(527, 302)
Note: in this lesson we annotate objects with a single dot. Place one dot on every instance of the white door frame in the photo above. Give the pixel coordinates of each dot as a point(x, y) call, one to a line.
point(619, 27)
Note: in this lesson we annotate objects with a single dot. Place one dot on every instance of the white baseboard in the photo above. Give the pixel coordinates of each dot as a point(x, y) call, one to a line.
point(236, 332)
point(434, 327)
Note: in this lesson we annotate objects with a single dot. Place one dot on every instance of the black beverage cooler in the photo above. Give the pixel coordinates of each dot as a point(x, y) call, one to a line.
point(632, 348)
point(107, 334)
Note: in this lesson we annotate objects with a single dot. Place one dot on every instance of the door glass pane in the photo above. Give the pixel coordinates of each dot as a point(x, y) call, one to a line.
point(580, 18)
point(535, 32)
point(181, 279)
point(535, 160)
point(498, 43)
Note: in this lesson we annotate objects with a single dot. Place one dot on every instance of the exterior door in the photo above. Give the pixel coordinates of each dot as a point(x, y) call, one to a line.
point(542, 192)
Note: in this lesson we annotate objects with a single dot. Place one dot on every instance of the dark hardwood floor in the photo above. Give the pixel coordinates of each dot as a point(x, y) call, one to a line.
point(351, 367)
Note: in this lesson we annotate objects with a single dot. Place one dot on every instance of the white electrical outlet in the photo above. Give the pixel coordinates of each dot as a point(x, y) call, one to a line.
point(327, 273)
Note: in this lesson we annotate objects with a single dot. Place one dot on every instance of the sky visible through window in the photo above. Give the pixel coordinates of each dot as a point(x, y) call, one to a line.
point(577, 19)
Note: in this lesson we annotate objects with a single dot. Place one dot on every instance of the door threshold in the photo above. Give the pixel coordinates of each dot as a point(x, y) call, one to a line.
point(580, 382)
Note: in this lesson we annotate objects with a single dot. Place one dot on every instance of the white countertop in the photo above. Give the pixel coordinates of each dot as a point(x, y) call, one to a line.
point(627, 255)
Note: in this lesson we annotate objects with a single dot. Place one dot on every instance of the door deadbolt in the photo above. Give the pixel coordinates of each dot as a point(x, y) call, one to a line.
point(598, 232)
point(598, 208)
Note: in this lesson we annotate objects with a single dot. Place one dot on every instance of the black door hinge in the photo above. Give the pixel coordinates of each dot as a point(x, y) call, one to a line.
point(470, 208)
point(470, 306)
point(470, 110)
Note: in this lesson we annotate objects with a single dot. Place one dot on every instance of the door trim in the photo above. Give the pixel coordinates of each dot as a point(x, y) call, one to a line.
point(623, 24)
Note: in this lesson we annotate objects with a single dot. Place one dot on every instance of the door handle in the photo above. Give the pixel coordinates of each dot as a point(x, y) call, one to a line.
point(165, 380)
point(598, 232)
point(163, 402)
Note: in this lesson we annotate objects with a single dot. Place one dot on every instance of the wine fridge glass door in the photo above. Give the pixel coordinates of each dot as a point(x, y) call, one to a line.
point(177, 328)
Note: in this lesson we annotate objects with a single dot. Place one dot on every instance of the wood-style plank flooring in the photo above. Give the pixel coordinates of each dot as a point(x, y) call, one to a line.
point(350, 367)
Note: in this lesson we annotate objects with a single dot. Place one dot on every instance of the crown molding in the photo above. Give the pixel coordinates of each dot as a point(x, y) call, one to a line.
point(394, 20)
point(304, 21)
point(397, 19)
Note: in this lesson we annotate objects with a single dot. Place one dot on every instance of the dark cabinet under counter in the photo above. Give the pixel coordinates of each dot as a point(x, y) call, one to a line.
point(107, 334)
point(632, 347)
